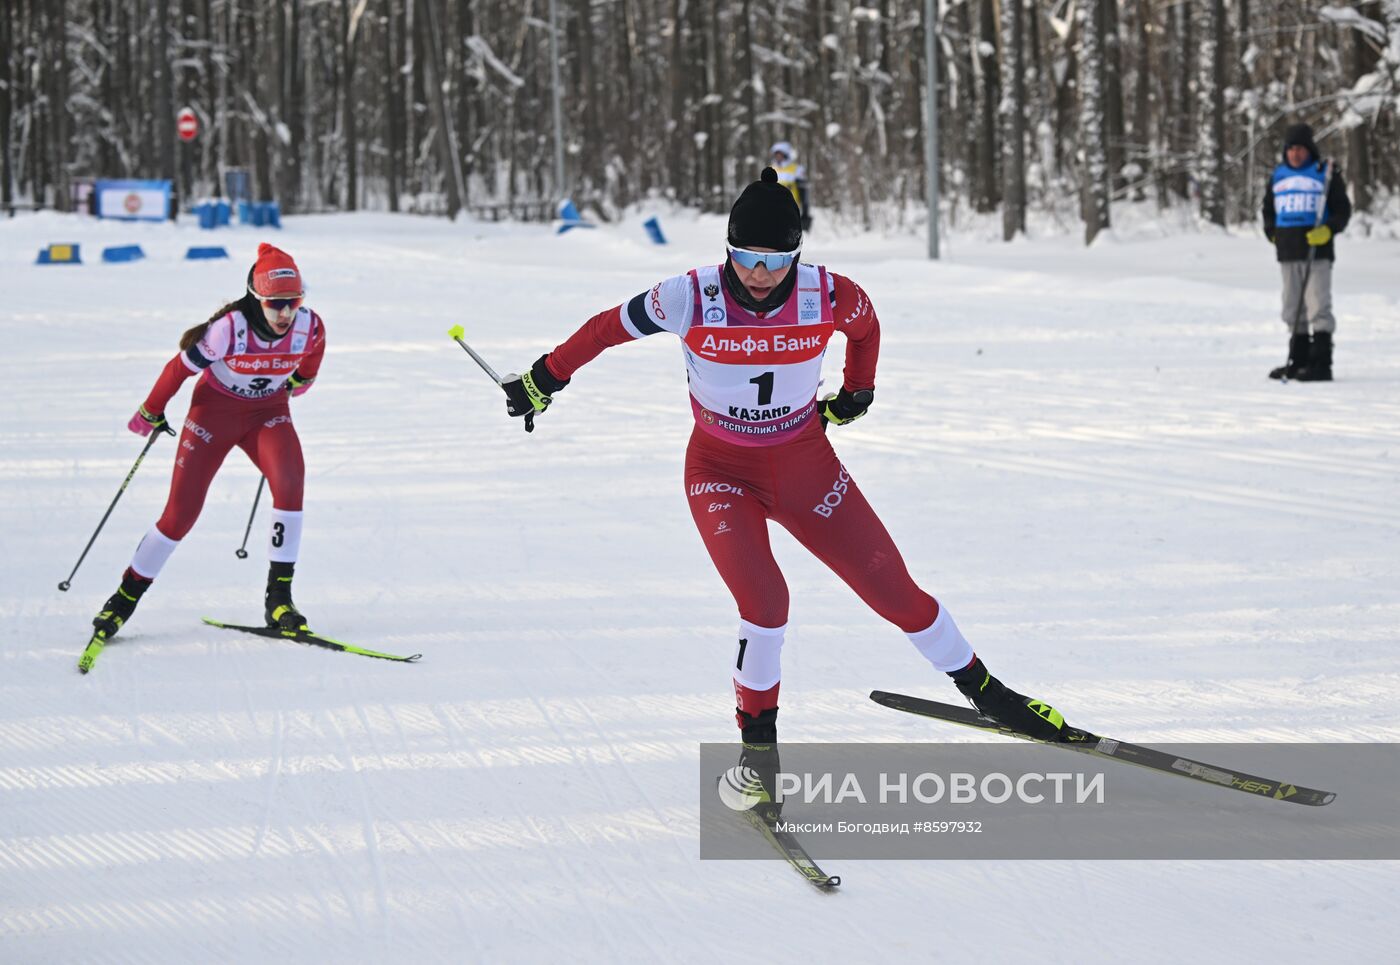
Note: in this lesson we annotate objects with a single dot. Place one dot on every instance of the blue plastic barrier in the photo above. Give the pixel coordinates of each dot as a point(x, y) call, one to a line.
point(653, 226)
point(204, 211)
point(200, 254)
point(570, 218)
point(260, 214)
point(222, 210)
point(123, 253)
point(59, 255)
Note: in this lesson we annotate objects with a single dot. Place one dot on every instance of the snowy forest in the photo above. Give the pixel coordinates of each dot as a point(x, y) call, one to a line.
point(433, 106)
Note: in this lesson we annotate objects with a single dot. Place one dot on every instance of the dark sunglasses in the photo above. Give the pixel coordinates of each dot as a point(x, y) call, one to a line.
point(278, 304)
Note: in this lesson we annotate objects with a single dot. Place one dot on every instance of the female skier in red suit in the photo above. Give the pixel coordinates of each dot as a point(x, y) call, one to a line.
point(753, 331)
point(250, 356)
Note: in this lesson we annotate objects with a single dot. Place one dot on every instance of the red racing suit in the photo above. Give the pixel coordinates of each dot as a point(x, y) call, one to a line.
point(758, 451)
point(240, 400)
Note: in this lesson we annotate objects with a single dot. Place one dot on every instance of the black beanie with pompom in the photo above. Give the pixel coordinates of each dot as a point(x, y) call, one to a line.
point(766, 216)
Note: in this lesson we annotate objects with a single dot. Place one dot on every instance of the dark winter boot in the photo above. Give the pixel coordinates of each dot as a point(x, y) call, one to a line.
point(1319, 367)
point(280, 611)
point(994, 699)
point(758, 762)
point(120, 605)
point(1299, 355)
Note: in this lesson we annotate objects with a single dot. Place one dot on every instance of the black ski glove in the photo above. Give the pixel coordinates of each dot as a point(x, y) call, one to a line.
point(844, 406)
point(532, 392)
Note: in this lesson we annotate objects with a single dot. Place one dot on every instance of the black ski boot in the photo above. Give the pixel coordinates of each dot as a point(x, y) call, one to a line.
point(280, 611)
point(120, 605)
point(760, 757)
point(1319, 366)
point(1299, 355)
point(994, 699)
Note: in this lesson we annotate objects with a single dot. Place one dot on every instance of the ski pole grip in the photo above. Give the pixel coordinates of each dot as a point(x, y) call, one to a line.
point(456, 332)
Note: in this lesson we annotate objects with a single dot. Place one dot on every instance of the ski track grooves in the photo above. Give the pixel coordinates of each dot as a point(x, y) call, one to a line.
point(274, 776)
point(367, 820)
point(604, 862)
point(1249, 497)
point(455, 889)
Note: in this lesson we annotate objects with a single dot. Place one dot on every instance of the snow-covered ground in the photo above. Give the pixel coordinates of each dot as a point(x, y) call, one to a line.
point(1077, 450)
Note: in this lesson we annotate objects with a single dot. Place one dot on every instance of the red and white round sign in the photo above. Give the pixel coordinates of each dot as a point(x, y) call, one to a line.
point(186, 124)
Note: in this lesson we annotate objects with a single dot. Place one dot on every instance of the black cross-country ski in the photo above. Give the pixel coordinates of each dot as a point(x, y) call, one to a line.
point(791, 849)
point(312, 638)
point(1115, 750)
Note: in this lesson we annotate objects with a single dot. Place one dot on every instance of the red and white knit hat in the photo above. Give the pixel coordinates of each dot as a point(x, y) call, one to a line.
point(275, 274)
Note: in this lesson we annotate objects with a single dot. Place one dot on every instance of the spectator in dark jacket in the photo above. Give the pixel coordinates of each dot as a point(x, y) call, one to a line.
point(1303, 185)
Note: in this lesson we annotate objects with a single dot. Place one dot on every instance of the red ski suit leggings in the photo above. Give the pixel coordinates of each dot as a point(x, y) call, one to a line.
point(734, 491)
point(215, 424)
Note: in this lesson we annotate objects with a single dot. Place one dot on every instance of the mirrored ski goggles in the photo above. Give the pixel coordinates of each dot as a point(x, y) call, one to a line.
point(772, 260)
point(279, 304)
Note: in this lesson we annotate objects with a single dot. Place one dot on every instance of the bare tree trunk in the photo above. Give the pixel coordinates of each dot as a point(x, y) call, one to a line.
point(988, 194)
point(165, 110)
point(1041, 100)
point(1095, 190)
point(411, 74)
point(1363, 60)
point(719, 114)
point(224, 157)
point(675, 127)
point(1181, 43)
point(259, 82)
point(209, 96)
point(56, 68)
point(752, 148)
point(468, 92)
point(1211, 96)
point(1013, 118)
point(1113, 90)
point(185, 87)
point(350, 21)
point(1143, 134)
point(389, 74)
point(292, 93)
point(437, 103)
point(595, 146)
point(39, 146)
point(7, 53)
